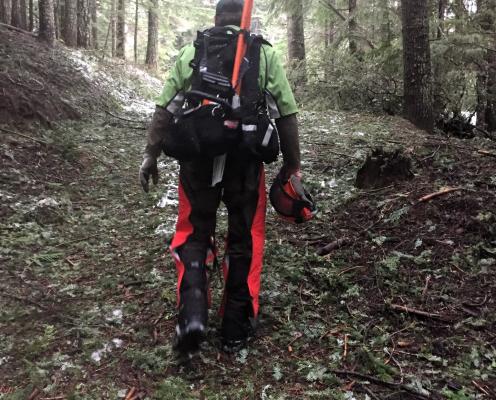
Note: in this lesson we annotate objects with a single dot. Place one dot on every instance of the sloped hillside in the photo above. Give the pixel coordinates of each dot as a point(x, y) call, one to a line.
point(38, 83)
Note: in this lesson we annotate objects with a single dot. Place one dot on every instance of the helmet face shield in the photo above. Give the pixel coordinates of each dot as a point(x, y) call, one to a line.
point(291, 201)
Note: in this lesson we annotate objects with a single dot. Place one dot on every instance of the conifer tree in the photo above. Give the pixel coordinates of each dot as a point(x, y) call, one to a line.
point(417, 64)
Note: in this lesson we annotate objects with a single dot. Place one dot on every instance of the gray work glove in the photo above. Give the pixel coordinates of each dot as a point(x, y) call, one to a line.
point(148, 167)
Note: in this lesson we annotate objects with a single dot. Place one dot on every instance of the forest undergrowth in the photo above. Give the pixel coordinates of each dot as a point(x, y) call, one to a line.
point(402, 307)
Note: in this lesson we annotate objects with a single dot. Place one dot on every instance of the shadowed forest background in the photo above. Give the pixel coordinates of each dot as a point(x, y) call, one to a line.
point(390, 293)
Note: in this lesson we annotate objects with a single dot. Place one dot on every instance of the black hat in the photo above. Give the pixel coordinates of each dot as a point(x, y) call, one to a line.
point(229, 6)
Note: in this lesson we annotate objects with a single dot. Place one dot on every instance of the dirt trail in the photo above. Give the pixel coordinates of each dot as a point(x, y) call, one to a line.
point(87, 293)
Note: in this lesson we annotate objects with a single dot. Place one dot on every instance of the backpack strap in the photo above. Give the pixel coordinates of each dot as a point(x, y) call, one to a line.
point(252, 96)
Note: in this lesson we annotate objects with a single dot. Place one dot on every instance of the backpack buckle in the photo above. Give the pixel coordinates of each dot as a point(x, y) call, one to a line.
point(218, 111)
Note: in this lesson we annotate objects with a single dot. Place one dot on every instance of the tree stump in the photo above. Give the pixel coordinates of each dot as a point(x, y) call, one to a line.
point(384, 168)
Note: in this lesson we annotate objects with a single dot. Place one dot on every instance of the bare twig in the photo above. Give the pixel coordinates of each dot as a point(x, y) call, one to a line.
point(24, 300)
point(486, 153)
point(440, 193)
point(426, 287)
point(377, 381)
point(124, 119)
point(130, 394)
point(481, 388)
point(345, 346)
point(36, 392)
point(414, 311)
point(344, 271)
point(333, 246)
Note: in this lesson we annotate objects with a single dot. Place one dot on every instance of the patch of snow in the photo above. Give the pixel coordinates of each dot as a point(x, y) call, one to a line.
point(358, 133)
point(4, 360)
point(115, 317)
point(97, 355)
point(168, 199)
point(47, 202)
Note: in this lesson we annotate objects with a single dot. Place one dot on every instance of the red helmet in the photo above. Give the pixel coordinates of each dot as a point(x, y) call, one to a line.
point(291, 200)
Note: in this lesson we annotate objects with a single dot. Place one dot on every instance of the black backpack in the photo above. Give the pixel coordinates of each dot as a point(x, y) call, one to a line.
point(214, 120)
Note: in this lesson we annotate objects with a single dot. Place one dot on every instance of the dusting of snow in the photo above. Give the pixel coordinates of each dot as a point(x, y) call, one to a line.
point(130, 100)
point(97, 355)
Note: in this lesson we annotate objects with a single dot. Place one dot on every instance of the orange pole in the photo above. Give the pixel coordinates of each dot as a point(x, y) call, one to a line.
point(241, 49)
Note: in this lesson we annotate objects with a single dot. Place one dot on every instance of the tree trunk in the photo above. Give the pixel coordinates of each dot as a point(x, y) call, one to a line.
point(113, 26)
point(6, 11)
point(120, 50)
point(491, 67)
point(352, 26)
point(296, 41)
point(486, 78)
point(386, 36)
point(94, 26)
point(58, 19)
point(152, 44)
point(70, 28)
point(441, 15)
point(418, 102)
point(31, 15)
point(84, 24)
point(24, 14)
point(16, 14)
point(47, 21)
point(136, 32)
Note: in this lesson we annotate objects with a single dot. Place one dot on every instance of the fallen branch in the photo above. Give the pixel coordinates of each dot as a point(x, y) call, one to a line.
point(486, 153)
point(13, 28)
point(36, 392)
point(23, 135)
point(333, 246)
point(124, 119)
point(380, 382)
point(24, 300)
point(486, 133)
point(481, 388)
point(442, 192)
point(414, 311)
point(130, 394)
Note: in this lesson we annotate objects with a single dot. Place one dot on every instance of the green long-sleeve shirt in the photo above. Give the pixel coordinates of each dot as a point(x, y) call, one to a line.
point(272, 80)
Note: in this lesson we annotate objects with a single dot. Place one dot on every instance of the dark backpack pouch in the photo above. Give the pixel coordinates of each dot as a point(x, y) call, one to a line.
point(200, 132)
point(260, 140)
point(214, 137)
point(181, 141)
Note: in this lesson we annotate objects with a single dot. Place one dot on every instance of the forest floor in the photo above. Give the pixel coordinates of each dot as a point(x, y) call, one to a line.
point(403, 308)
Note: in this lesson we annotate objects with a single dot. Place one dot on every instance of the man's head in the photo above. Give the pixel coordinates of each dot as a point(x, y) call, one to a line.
point(229, 12)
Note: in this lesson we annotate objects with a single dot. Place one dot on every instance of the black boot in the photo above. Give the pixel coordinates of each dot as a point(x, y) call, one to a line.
point(191, 326)
point(237, 327)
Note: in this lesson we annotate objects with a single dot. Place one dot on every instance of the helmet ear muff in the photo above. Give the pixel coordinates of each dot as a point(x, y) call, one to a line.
point(291, 201)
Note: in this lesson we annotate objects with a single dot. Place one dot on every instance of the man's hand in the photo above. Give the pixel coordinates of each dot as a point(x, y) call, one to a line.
point(286, 172)
point(148, 167)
